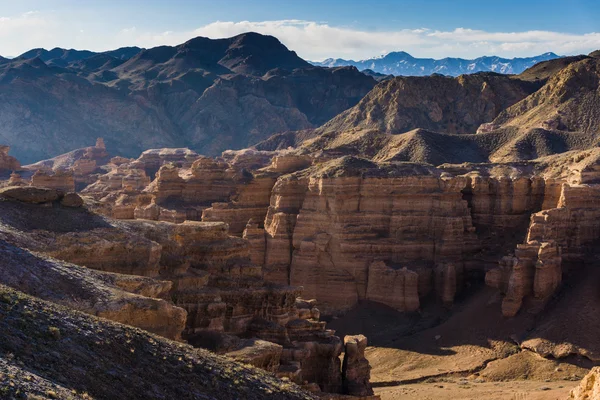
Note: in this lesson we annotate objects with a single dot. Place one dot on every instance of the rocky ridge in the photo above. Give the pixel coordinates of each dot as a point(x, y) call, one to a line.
point(208, 95)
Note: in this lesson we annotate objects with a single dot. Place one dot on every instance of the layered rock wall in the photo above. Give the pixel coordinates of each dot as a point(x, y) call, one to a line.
point(557, 239)
point(59, 180)
point(344, 229)
point(413, 219)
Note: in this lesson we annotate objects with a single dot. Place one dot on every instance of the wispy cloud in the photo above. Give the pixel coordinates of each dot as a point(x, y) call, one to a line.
point(311, 40)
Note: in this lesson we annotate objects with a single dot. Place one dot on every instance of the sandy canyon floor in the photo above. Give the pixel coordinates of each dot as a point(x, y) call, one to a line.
point(433, 356)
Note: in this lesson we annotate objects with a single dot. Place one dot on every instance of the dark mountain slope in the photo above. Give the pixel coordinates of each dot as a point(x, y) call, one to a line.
point(209, 95)
point(549, 109)
point(46, 110)
point(568, 102)
point(49, 351)
point(450, 105)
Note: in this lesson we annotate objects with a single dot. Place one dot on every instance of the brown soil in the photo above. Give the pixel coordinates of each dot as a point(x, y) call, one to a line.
point(472, 352)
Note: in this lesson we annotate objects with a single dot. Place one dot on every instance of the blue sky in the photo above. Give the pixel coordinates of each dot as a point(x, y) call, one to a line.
point(315, 29)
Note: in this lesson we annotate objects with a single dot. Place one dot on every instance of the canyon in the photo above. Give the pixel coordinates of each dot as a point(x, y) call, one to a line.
point(414, 239)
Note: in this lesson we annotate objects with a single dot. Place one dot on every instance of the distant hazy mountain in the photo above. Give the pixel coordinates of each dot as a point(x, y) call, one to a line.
point(402, 63)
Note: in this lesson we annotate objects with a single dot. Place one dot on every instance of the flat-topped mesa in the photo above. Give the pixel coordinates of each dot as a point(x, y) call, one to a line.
point(59, 180)
point(8, 163)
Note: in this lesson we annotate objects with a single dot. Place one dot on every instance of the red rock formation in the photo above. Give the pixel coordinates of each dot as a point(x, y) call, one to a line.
point(151, 160)
point(327, 228)
point(535, 270)
point(558, 238)
point(286, 200)
point(59, 180)
point(259, 353)
point(356, 371)
point(396, 288)
point(290, 163)
point(256, 240)
point(248, 158)
point(249, 203)
point(16, 180)
point(8, 163)
point(355, 213)
point(223, 292)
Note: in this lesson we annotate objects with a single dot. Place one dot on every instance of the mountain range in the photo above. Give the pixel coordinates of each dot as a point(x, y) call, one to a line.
point(401, 63)
point(480, 118)
point(208, 95)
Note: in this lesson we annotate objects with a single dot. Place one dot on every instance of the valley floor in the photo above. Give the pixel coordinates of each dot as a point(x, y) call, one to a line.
point(470, 354)
point(459, 390)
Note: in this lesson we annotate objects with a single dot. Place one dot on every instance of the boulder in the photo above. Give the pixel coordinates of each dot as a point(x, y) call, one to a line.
point(30, 194)
point(589, 388)
point(72, 199)
point(259, 353)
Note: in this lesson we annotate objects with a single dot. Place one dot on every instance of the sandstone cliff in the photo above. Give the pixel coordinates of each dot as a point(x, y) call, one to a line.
point(212, 287)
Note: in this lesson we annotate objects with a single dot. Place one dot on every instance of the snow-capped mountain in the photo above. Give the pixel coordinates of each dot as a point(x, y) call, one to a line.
point(402, 63)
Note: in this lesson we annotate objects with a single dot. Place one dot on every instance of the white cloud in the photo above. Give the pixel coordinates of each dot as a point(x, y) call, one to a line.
point(311, 40)
point(316, 41)
point(25, 31)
